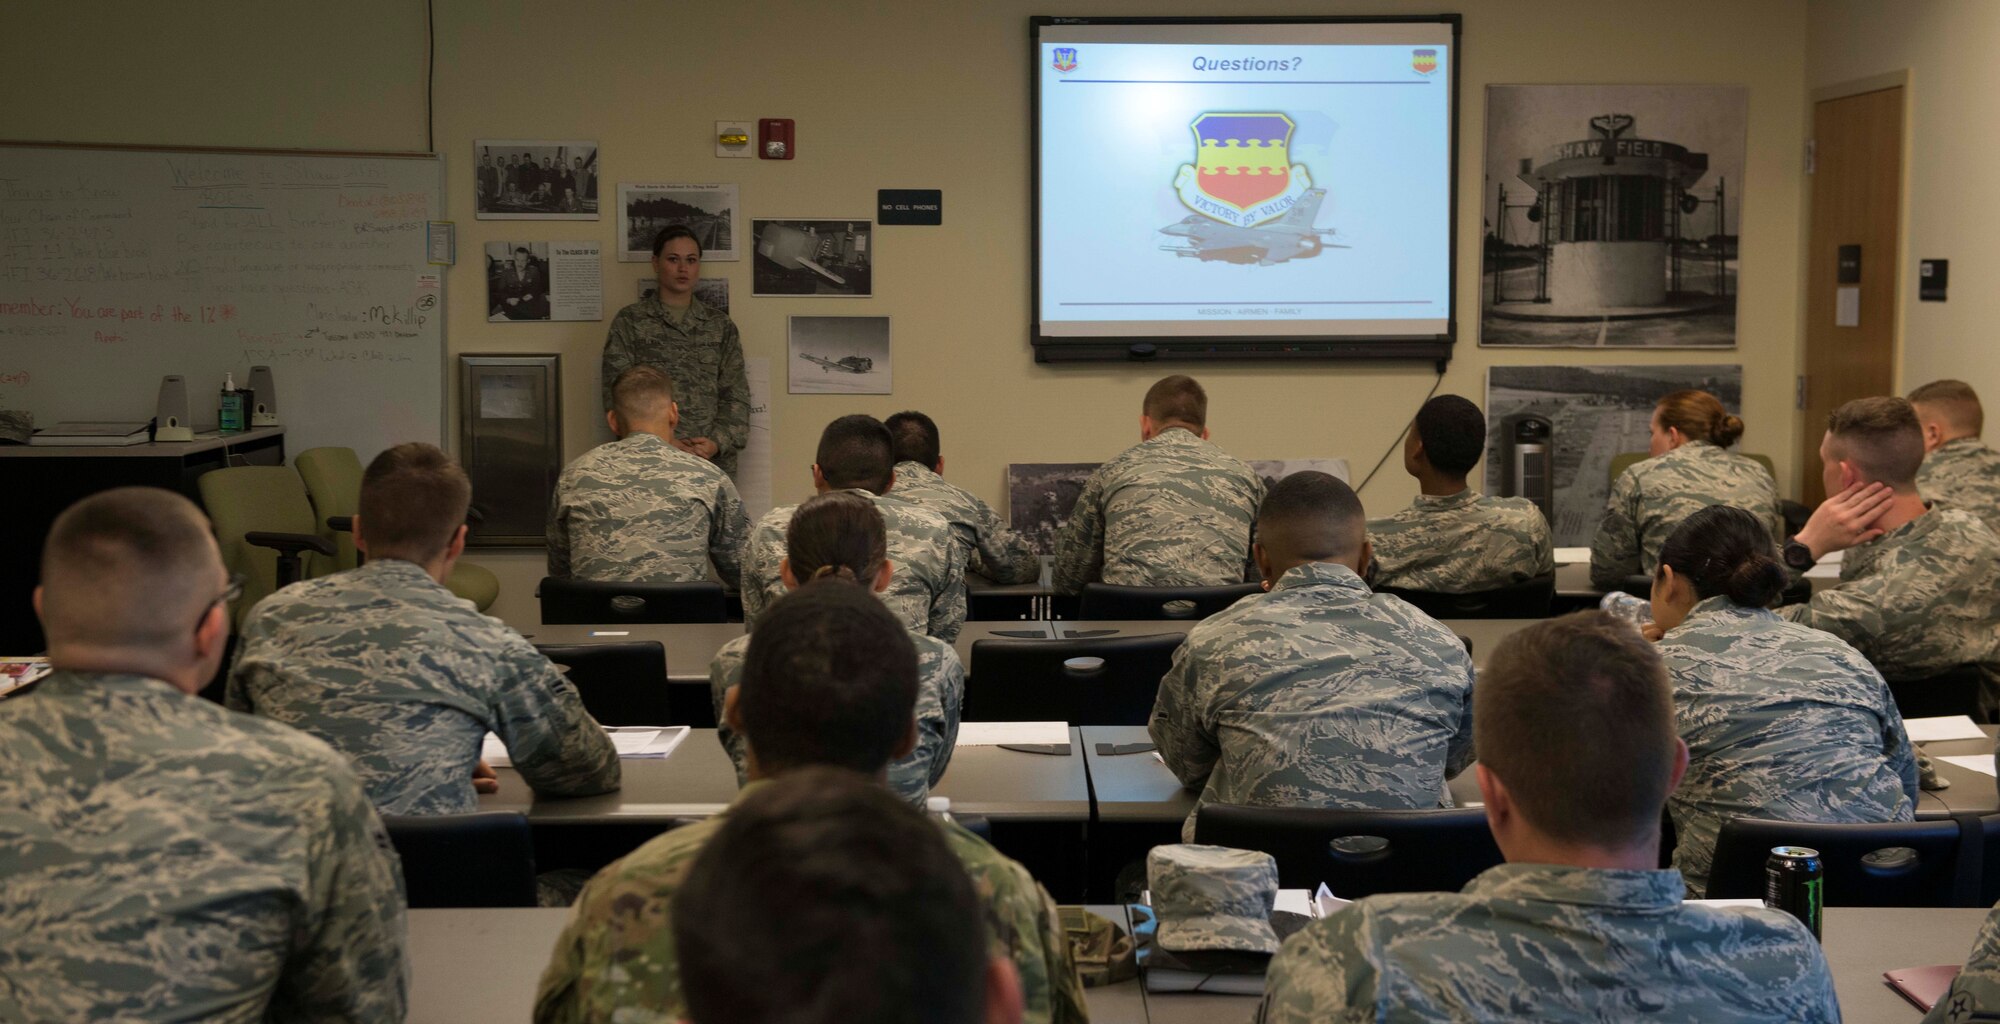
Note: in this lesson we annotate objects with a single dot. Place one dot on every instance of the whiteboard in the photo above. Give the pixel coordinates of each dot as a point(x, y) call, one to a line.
point(121, 265)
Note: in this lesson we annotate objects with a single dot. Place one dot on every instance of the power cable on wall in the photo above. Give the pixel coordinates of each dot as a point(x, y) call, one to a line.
point(1439, 382)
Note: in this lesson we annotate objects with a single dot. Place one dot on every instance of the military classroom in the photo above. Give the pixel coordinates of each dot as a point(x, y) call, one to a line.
point(1007, 512)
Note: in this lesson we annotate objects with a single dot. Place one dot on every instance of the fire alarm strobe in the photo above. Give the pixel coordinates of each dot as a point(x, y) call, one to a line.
point(776, 139)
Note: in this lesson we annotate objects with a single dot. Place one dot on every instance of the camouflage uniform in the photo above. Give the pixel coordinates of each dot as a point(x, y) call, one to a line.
point(940, 693)
point(1975, 993)
point(1550, 943)
point(1919, 600)
point(1963, 474)
point(640, 510)
point(703, 355)
point(997, 553)
point(1317, 694)
point(164, 859)
point(1651, 498)
point(615, 960)
point(927, 584)
point(1462, 544)
point(1782, 722)
point(1174, 511)
point(390, 668)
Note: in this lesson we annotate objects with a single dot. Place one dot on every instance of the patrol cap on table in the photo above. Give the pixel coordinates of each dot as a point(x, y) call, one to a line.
point(1212, 898)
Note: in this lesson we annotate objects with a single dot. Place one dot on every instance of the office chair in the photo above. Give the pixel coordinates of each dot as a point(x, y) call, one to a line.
point(333, 484)
point(1530, 600)
point(1105, 681)
point(1898, 864)
point(485, 859)
point(1358, 852)
point(1109, 602)
point(570, 602)
point(264, 527)
point(1956, 691)
point(625, 683)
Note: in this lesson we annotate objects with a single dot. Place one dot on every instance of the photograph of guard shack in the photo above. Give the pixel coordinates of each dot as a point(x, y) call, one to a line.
point(1611, 215)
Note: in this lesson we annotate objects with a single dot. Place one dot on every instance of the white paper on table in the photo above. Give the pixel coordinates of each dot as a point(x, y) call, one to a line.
point(1726, 903)
point(1981, 763)
point(1308, 902)
point(1947, 727)
point(494, 752)
point(992, 734)
point(1824, 571)
point(630, 742)
point(1572, 556)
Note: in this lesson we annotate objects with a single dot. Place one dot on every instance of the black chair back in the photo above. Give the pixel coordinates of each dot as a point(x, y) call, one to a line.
point(465, 860)
point(1979, 860)
point(622, 683)
point(1956, 692)
point(572, 602)
point(1530, 600)
point(1898, 864)
point(1105, 681)
point(1109, 602)
point(1361, 852)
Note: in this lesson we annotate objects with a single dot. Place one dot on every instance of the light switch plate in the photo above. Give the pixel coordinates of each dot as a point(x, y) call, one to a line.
point(747, 129)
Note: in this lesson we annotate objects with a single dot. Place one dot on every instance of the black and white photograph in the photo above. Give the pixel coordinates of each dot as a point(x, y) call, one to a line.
point(1612, 215)
point(1584, 417)
point(1040, 496)
point(712, 291)
point(839, 355)
point(535, 179)
point(813, 257)
point(530, 281)
point(1273, 470)
point(707, 210)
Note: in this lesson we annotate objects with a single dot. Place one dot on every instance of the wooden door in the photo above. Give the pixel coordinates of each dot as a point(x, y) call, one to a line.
point(1857, 188)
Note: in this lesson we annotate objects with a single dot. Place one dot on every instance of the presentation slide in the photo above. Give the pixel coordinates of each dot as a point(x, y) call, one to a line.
point(1212, 181)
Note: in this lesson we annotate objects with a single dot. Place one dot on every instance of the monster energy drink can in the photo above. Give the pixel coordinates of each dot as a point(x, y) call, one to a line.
point(1794, 882)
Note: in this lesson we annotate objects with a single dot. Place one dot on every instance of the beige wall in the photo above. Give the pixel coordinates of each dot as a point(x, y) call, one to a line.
point(907, 94)
point(1949, 208)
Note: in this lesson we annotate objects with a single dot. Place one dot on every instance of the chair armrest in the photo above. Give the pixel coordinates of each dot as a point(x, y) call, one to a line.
point(290, 543)
point(340, 524)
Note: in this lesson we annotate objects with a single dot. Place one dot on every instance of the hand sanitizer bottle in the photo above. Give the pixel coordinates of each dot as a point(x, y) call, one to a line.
point(232, 416)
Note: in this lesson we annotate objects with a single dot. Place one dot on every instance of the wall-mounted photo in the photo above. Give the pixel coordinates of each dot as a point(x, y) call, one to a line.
point(839, 355)
point(712, 291)
point(534, 179)
point(813, 257)
point(528, 281)
point(707, 210)
point(1612, 215)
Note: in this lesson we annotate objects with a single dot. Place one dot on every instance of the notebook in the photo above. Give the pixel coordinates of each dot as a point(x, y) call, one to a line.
point(1923, 986)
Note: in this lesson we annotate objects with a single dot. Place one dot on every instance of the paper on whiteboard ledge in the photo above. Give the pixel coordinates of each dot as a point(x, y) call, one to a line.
point(1948, 727)
point(1572, 556)
point(630, 742)
point(992, 734)
point(1981, 763)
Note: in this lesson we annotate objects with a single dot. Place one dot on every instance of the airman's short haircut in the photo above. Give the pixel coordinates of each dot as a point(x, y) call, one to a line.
point(414, 498)
point(1881, 437)
point(641, 393)
point(856, 451)
point(1311, 516)
point(1576, 717)
point(824, 899)
point(1177, 399)
point(830, 678)
point(1954, 402)
point(916, 438)
point(1453, 431)
point(130, 567)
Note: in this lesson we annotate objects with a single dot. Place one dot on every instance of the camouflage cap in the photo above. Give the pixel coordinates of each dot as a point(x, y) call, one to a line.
point(16, 425)
point(1213, 898)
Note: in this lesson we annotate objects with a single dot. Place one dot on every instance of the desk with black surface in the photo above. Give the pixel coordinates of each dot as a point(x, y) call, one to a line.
point(42, 481)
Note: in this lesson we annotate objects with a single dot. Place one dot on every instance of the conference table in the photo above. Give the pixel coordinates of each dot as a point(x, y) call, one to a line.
point(482, 966)
point(690, 646)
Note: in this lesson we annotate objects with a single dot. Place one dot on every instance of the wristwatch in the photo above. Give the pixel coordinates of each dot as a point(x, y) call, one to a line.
point(1798, 556)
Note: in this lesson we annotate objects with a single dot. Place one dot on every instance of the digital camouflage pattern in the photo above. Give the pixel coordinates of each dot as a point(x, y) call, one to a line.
point(639, 510)
point(940, 693)
point(703, 355)
point(1462, 544)
point(1919, 600)
point(1652, 497)
point(1975, 994)
point(406, 679)
point(1208, 898)
point(166, 860)
point(927, 578)
point(1319, 693)
point(1548, 943)
point(614, 961)
point(997, 553)
point(1782, 721)
point(1173, 511)
point(1963, 474)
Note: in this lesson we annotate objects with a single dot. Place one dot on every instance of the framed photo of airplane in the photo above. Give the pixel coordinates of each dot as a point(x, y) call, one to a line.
point(826, 258)
point(838, 355)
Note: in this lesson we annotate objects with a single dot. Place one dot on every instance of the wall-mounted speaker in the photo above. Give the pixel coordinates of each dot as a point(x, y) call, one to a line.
point(171, 415)
point(265, 392)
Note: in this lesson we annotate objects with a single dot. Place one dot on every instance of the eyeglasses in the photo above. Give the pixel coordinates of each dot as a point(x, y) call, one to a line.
point(228, 596)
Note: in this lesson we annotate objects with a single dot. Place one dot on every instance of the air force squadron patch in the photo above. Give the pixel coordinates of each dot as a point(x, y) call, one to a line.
point(1242, 174)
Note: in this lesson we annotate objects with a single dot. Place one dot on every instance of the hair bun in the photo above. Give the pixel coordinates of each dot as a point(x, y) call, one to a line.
point(1727, 430)
point(1756, 581)
point(833, 572)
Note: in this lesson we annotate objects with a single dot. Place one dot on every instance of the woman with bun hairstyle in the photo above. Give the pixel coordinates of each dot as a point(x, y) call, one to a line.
point(1688, 470)
point(837, 539)
point(1781, 721)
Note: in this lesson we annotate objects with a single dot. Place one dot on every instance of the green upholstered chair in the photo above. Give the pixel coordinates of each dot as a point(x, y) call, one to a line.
point(333, 482)
point(245, 500)
point(1624, 460)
